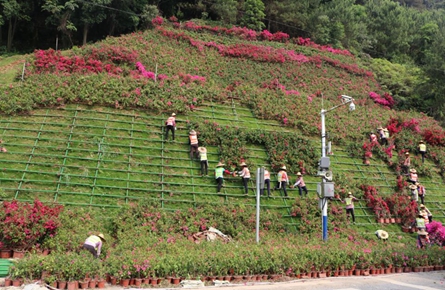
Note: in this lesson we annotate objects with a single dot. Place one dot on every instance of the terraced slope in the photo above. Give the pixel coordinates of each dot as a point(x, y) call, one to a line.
point(104, 157)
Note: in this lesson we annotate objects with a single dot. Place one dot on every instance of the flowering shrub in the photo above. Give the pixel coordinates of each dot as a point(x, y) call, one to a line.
point(148, 74)
point(158, 20)
point(94, 61)
point(436, 232)
point(374, 201)
point(25, 225)
point(310, 43)
point(386, 100)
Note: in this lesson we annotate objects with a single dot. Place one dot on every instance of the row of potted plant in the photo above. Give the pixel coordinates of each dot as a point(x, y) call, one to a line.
point(182, 258)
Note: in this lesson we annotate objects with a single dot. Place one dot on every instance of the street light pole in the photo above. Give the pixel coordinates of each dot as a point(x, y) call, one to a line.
point(324, 200)
point(326, 189)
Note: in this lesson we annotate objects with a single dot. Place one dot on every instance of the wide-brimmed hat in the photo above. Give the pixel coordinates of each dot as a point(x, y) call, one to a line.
point(101, 236)
point(202, 149)
point(382, 234)
point(422, 232)
point(412, 170)
point(384, 129)
point(406, 153)
point(349, 193)
point(193, 132)
point(283, 167)
point(219, 164)
point(298, 173)
point(243, 164)
point(173, 114)
point(379, 128)
point(421, 141)
point(412, 186)
point(422, 206)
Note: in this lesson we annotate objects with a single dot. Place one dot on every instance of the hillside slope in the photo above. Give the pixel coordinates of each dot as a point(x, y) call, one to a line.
point(93, 135)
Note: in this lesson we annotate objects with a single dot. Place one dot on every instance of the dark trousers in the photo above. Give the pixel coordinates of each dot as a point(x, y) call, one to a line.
point(91, 249)
point(384, 141)
point(246, 185)
point(422, 198)
point(405, 169)
point(282, 185)
point(301, 189)
point(267, 186)
point(351, 212)
point(169, 128)
point(219, 181)
point(193, 150)
point(204, 167)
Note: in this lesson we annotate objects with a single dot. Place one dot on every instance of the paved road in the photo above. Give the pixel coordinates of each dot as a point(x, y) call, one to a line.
point(406, 281)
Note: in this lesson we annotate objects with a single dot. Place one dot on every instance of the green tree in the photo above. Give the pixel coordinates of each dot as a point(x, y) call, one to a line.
point(226, 10)
point(389, 26)
point(253, 15)
point(340, 23)
point(92, 12)
point(289, 16)
point(60, 15)
point(13, 12)
point(433, 91)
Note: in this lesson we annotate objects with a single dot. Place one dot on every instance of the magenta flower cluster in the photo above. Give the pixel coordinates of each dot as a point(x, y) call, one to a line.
point(386, 100)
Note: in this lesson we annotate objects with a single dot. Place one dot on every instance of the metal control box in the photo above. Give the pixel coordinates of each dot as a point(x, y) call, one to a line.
point(325, 189)
point(325, 163)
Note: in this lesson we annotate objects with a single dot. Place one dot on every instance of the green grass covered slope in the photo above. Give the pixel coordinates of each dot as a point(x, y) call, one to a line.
point(86, 127)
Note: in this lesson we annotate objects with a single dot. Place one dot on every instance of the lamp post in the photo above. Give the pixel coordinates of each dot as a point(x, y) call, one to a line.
point(325, 189)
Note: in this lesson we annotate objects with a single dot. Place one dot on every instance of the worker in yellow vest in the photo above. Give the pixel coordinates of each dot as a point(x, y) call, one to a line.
point(219, 175)
point(422, 149)
point(204, 162)
point(420, 222)
point(94, 244)
point(193, 141)
point(349, 201)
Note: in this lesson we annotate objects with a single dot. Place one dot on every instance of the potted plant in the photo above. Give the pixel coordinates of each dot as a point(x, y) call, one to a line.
point(51, 280)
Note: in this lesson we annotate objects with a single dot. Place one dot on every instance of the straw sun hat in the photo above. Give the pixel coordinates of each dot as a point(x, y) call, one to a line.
point(101, 236)
point(382, 234)
point(283, 167)
point(219, 164)
point(202, 149)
